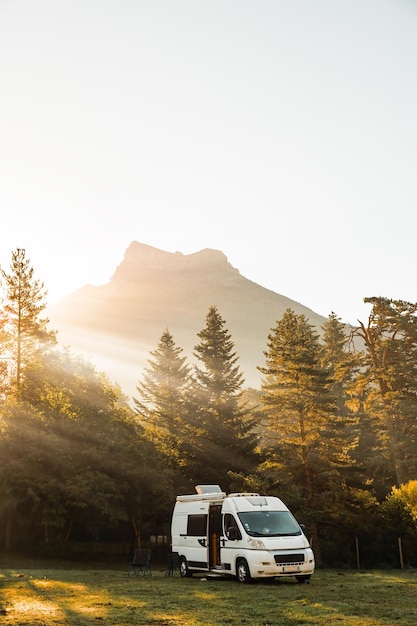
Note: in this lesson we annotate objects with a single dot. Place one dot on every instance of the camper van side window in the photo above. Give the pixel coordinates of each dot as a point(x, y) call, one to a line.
point(231, 529)
point(197, 525)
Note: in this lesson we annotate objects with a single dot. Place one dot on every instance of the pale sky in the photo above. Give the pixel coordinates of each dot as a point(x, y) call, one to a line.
point(281, 132)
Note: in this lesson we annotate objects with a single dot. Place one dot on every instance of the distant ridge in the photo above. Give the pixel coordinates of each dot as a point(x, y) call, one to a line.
point(116, 325)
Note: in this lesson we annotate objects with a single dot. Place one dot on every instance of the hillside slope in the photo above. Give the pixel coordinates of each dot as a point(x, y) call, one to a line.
point(116, 325)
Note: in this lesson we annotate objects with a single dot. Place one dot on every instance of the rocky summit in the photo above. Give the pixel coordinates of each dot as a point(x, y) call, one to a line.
point(117, 325)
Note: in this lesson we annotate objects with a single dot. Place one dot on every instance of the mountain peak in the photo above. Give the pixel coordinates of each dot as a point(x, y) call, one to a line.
point(117, 325)
point(141, 259)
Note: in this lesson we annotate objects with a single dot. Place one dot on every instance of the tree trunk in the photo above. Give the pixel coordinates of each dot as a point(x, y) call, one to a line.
point(315, 540)
point(137, 532)
point(8, 530)
point(315, 544)
point(401, 473)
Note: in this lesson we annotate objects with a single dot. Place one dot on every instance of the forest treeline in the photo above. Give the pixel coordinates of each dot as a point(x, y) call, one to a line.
point(332, 430)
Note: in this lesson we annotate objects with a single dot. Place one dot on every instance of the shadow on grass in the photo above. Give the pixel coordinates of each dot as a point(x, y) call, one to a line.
point(81, 597)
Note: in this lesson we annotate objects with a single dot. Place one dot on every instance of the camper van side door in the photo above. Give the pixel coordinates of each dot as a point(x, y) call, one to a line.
point(197, 541)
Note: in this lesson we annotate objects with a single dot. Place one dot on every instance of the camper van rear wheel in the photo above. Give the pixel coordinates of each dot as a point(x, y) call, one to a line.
point(184, 571)
point(243, 572)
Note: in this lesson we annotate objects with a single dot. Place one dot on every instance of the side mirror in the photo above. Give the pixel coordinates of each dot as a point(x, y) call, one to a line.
point(303, 527)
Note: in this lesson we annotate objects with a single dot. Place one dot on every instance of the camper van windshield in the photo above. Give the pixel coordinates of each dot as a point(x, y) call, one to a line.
point(269, 523)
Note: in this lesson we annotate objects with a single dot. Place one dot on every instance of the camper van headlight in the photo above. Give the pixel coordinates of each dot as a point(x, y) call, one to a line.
point(256, 544)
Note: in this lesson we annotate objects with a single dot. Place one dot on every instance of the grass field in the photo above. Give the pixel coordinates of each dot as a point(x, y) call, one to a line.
point(81, 595)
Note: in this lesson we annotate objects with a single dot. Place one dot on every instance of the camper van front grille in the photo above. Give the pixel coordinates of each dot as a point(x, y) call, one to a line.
point(288, 559)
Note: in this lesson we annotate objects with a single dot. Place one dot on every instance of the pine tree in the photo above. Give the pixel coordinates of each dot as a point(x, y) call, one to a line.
point(4, 356)
point(162, 394)
point(342, 365)
point(349, 438)
point(26, 332)
point(224, 442)
point(298, 407)
point(389, 374)
point(349, 388)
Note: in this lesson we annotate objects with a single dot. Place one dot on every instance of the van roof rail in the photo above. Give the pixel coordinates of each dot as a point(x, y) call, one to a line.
point(242, 495)
point(201, 497)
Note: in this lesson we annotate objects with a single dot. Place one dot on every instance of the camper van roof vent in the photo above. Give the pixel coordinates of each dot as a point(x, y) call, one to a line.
point(208, 489)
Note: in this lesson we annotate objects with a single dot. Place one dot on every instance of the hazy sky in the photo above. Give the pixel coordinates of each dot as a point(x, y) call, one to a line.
point(281, 132)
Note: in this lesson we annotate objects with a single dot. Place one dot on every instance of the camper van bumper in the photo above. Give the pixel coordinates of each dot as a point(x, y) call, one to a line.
point(264, 564)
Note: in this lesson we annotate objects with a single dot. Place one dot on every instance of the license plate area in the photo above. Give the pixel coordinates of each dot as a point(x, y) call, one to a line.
point(290, 569)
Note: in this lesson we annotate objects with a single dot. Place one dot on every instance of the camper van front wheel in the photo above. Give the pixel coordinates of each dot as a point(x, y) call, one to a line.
point(303, 579)
point(243, 572)
point(184, 571)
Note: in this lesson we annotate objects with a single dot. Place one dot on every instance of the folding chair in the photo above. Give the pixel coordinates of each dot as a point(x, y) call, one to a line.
point(141, 563)
point(172, 564)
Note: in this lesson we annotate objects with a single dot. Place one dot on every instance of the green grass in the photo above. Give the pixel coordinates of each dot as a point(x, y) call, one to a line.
point(79, 597)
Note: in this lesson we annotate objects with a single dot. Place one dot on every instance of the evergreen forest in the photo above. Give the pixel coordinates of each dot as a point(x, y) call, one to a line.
point(332, 431)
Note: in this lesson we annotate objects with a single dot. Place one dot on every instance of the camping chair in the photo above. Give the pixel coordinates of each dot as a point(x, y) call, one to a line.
point(172, 564)
point(141, 563)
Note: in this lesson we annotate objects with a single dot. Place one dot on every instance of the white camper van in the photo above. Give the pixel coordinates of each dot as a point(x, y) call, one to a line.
point(245, 535)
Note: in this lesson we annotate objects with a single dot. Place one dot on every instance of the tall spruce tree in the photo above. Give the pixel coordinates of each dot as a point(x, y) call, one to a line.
point(350, 442)
point(223, 446)
point(341, 362)
point(25, 331)
point(161, 405)
point(349, 389)
point(389, 374)
point(298, 406)
point(343, 365)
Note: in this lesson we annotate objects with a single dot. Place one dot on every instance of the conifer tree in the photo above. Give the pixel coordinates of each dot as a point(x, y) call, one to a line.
point(4, 356)
point(298, 406)
point(26, 332)
point(389, 374)
point(162, 397)
point(349, 437)
point(342, 365)
point(349, 389)
point(224, 442)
